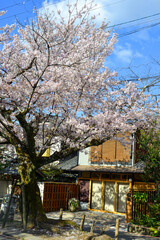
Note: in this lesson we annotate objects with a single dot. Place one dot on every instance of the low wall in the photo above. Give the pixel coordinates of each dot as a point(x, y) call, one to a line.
point(133, 228)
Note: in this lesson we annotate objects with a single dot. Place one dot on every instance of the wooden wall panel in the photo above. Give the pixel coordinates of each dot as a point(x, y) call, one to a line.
point(96, 153)
point(139, 186)
point(112, 150)
point(108, 151)
point(123, 150)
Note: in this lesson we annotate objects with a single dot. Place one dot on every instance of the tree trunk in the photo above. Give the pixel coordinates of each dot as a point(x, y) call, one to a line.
point(34, 209)
point(24, 220)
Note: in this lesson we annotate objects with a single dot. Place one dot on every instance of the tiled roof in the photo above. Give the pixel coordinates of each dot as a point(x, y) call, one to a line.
point(10, 170)
point(13, 171)
point(140, 165)
point(114, 169)
point(68, 163)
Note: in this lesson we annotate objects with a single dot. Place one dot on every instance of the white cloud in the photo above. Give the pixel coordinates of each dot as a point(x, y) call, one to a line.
point(112, 10)
point(119, 11)
point(99, 11)
point(126, 54)
point(138, 55)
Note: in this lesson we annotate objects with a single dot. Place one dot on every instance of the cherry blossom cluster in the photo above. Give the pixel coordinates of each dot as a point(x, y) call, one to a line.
point(55, 85)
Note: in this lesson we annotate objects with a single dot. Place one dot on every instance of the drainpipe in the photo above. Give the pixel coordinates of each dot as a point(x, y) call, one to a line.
point(133, 149)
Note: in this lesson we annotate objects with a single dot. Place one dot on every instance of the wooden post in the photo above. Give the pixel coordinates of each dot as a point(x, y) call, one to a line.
point(82, 223)
point(9, 204)
point(90, 192)
point(61, 213)
point(102, 196)
point(92, 227)
point(115, 197)
point(117, 229)
point(24, 207)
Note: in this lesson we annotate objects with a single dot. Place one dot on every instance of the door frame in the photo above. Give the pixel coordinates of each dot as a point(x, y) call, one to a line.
point(102, 193)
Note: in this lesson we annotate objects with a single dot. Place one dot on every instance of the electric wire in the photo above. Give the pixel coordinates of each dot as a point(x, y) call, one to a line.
point(137, 30)
point(140, 23)
point(13, 5)
point(141, 78)
point(133, 20)
point(139, 20)
point(111, 26)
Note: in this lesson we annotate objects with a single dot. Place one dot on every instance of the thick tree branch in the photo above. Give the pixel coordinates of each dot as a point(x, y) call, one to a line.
point(64, 152)
point(23, 70)
point(11, 133)
point(4, 142)
point(28, 133)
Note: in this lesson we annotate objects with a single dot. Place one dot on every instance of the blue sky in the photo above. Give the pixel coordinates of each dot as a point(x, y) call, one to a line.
point(135, 55)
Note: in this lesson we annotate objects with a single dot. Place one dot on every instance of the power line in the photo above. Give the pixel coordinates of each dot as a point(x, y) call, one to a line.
point(133, 20)
point(16, 14)
point(13, 5)
point(111, 26)
point(113, 3)
point(141, 78)
point(137, 30)
point(130, 21)
point(148, 21)
point(119, 24)
point(12, 16)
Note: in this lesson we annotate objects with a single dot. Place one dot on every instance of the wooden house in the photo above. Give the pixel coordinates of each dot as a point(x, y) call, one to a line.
point(106, 174)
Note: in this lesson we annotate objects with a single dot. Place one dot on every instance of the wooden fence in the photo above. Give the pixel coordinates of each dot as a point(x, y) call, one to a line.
point(136, 208)
point(140, 208)
point(56, 195)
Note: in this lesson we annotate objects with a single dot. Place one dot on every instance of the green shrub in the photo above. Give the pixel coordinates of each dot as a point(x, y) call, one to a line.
point(155, 232)
point(153, 218)
point(140, 197)
point(155, 210)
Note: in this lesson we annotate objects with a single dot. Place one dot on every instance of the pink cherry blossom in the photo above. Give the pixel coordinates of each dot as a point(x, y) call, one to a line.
point(54, 83)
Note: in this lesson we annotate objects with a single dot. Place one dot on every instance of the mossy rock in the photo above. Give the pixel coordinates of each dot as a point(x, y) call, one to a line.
point(68, 222)
point(102, 237)
point(91, 236)
point(74, 205)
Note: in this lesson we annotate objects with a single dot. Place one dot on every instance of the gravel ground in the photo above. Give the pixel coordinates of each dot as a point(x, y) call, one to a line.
point(103, 222)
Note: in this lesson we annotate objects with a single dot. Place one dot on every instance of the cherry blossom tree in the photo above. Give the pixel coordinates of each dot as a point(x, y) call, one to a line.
point(56, 91)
